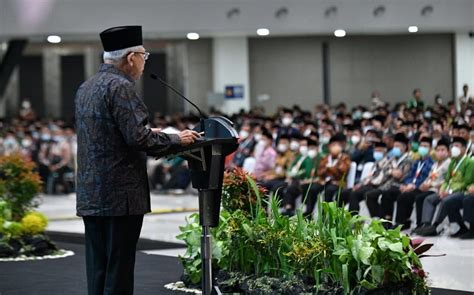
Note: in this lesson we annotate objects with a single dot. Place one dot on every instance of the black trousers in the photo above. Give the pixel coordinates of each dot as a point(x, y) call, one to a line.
point(354, 197)
point(110, 253)
point(385, 207)
point(315, 189)
point(405, 203)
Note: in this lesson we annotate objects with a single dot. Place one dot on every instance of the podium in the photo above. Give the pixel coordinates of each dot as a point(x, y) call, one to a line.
point(206, 161)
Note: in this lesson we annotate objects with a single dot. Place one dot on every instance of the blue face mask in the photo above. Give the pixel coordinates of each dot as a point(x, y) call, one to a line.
point(396, 152)
point(378, 156)
point(423, 151)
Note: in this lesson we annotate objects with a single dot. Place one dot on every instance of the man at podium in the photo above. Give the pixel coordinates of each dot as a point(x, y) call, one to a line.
point(113, 138)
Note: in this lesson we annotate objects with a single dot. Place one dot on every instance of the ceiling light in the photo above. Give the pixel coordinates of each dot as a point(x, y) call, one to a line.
point(412, 29)
point(263, 32)
point(54, 39)
point(339, 33)
point(192, 36)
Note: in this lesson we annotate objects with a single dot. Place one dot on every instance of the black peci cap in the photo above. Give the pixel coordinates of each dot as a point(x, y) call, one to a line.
point(117, 38)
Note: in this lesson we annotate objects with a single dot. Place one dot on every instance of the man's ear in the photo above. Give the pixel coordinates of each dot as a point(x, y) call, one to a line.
point(129, 59)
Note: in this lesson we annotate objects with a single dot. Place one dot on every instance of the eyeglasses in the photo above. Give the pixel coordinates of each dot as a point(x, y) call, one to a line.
point(145, 54)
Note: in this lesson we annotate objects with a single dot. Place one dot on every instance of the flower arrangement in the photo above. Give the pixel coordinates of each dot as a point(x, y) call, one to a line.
point(260, 251)
point(21, 229)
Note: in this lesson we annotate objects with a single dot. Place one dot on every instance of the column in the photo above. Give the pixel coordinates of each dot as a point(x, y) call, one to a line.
point(231, 68)
point(464, 62)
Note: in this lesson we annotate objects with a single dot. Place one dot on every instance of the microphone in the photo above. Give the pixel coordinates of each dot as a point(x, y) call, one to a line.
point(155, 77)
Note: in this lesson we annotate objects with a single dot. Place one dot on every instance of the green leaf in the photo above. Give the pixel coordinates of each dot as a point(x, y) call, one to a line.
point(396, 247)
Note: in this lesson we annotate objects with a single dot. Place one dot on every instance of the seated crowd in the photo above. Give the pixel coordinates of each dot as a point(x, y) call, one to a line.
point(394, 159)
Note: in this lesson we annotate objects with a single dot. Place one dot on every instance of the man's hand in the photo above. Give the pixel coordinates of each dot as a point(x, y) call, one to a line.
point(471, 189)
point(156, 130)
point(424, 187)
point(443, 194)
point(187, 137)
point(397, 173)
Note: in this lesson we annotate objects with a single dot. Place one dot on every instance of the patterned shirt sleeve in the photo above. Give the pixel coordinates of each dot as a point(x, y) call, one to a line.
point(131, 117)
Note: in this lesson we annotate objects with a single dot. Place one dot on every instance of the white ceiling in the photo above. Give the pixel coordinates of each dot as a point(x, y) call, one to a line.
point(83, 19)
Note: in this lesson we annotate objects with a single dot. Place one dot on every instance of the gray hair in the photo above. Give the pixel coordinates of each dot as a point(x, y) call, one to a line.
point(115, 57)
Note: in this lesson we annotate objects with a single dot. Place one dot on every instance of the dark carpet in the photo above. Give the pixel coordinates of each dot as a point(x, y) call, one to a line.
point(67, 276)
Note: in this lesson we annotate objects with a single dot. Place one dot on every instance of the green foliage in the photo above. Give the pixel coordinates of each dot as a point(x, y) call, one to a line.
point(335, 251)
point(19, 185)
point(5, 210)
point(12, 229)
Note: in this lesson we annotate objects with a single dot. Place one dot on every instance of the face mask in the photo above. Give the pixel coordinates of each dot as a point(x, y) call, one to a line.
point(258, 136)
point(325, 139)
point(414, 146)
point(286, 121)
point(294, 145)
point(312, 153)
point(303, 150)
point(26, 143)
point(58, 138)
point(434, 142)
point(396, 152)
point(26, 104)
point(307, 132)
point(282, 147)
point(243, 134)
point(262, 143)
point(357, 115)
point(423, 151)
point(427, 114)
point(355, 139)
point(378, 155)
point(455, 152)
point(46, 137)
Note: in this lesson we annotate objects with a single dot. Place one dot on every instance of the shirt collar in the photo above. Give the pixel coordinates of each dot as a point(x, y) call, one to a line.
point(108, 68)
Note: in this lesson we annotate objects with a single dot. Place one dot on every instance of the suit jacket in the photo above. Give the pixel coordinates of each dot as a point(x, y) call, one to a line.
point(112, 139)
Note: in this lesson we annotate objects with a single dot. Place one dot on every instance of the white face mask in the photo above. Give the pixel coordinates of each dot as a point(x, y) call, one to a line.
point(26, 143)
point(325, 139)
point(312, 153)
point(294, 145)
point(258, 136)
point(243, 134)
point(303, 150)
point(455, 152)
point(307, 132)
point(286, 121)
point(282, 147)
point(355, 139)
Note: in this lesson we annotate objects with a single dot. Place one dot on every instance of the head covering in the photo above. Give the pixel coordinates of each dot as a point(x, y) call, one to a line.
point(380, 144)
point(338, 137)
point(117, 38)
point(443, 141)
point(312, 142)
point(427, 139)
point(459, 140)
point(401, 137)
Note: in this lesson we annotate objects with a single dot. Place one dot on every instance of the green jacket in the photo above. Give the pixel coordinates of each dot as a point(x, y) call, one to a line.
point(462, 178)
point(304, 170)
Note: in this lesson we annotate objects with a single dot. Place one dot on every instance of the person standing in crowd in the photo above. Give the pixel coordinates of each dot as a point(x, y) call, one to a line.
point(465, 99)
point(416, 103)
point(113, 137)
point(459, 177)
point(400, 164)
